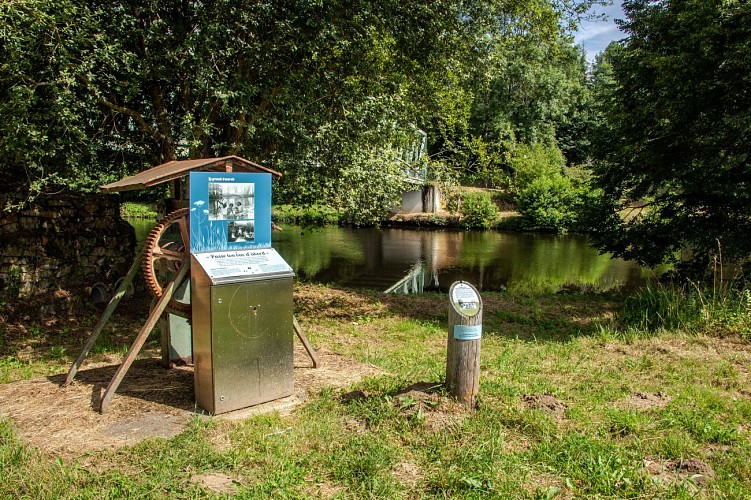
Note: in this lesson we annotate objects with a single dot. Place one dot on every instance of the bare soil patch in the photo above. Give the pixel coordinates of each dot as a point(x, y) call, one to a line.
point(546, 402)
point(317, 303)
point(151, 402)
point(216, 482)
point(648, 400)
point(689, 470)
point(408, 474)
point(425, 401)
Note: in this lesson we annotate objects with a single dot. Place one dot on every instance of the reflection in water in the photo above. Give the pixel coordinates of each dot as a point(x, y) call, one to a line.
point(410, 261)
point(413, 282)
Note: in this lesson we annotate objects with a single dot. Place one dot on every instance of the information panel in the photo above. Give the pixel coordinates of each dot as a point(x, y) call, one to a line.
point(467, 332)
point(465, 298)
point(229, 211)
point(243, 265)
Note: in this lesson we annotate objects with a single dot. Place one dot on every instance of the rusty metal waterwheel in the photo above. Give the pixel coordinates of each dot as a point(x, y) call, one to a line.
point(167, 247)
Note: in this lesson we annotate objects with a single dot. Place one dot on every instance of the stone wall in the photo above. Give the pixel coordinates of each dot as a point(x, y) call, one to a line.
point(427, 199)
point(64, 242)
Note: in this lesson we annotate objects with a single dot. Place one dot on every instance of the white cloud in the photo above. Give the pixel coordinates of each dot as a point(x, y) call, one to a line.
point(595, 36)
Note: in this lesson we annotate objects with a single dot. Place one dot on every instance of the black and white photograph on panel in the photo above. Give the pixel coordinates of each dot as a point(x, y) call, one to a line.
point(231, 201)
point(239, 231)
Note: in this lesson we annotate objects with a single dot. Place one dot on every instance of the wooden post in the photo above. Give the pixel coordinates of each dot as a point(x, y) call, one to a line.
point(463, 348)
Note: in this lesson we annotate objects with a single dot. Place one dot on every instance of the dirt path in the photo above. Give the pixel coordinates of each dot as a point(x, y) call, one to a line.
point(151, 402)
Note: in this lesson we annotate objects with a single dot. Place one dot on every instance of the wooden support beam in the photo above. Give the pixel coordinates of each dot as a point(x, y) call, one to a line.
point(114, 301)
point(156, 313)
point(305, 343)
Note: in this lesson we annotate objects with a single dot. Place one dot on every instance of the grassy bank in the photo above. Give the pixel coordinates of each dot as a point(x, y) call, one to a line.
point(578, 399)
point(138, 210)
point(316, 215)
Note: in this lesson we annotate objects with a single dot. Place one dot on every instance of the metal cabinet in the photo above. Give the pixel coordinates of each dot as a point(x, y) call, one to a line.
point(242, 341)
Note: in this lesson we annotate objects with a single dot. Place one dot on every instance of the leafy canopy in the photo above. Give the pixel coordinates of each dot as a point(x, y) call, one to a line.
point(93, 91)
point(674, 143)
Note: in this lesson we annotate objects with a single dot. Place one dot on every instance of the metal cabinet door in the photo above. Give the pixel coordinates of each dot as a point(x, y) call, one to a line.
point(251, 342)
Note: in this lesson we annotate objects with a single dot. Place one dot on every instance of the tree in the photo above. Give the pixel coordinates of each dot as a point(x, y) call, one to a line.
point(531, 89)
point(91, 91)
point(121, 86)
point(674, 144)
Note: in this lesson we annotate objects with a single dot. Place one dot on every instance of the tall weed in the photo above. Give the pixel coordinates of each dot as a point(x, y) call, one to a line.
point(691, 308)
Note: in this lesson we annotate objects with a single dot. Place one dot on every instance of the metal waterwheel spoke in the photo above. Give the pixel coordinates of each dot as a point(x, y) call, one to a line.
point(163, 257)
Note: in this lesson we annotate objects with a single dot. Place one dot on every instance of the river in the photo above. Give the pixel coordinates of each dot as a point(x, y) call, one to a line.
point(411, 260)
point(416, 260)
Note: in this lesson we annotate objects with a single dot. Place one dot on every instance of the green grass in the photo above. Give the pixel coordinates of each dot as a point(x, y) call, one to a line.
point(138, 210)
point(690, 308)
point(315, 215)
point(574, 347)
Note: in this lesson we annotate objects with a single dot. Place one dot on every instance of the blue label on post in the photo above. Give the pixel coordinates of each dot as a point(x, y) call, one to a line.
point(467, 332)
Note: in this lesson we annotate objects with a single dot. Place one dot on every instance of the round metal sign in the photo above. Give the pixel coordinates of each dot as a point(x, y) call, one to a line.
point(465, 298)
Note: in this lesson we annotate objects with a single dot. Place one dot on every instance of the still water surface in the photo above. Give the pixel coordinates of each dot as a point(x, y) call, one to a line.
point(411, 260)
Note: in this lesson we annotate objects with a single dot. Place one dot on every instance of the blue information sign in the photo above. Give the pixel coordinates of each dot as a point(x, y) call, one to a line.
point(467, 332)
point(229, 211)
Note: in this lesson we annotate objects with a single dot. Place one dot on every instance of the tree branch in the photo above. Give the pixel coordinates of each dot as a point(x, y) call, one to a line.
point(136, 116)
point(165, 128)
point(238, 133)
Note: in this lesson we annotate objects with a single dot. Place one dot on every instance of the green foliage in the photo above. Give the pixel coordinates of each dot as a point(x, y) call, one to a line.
point(47, 125)
point(663, 307)
point(530, 90)
point(94, 91)
point(489, 163)
point(370, 186)
point(312, 216)
point(549, 203)
point(690, 308)
point(452, 199)
point(137, 210)
point(672, 136)
point(478, 208)
point(535, 161)
point(479, 211)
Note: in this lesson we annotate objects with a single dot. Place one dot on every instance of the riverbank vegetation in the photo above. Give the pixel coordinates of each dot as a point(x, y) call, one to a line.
point(138, 210)
point(345, 100)
point(582, 395)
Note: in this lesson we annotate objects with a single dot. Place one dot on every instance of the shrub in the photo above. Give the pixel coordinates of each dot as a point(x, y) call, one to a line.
point(549, 203)
point(479, 210)
point(534, 161)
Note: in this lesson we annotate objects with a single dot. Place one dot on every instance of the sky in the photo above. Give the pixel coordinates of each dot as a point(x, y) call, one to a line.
point(594, 36)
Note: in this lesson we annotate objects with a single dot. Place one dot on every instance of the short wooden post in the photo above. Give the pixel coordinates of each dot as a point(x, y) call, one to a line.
point(463, 349)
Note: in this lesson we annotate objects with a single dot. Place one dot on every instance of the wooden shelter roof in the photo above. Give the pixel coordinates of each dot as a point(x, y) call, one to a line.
point(176, 169)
